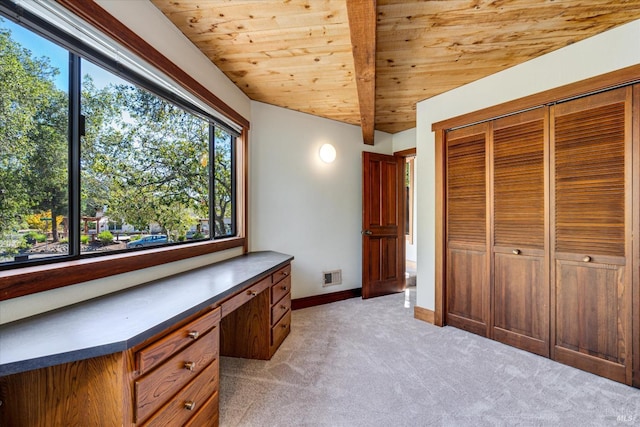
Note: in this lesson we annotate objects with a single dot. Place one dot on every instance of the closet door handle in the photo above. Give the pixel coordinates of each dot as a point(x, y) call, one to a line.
point(586, 259)
point(516, 251)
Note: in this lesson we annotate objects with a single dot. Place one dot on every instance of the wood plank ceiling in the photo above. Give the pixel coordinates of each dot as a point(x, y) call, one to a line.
point(298, 54)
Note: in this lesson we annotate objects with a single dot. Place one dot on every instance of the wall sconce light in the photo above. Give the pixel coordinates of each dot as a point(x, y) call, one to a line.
point(327, 153)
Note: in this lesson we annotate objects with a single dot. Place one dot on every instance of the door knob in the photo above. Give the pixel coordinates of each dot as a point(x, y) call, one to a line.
point(367, 232)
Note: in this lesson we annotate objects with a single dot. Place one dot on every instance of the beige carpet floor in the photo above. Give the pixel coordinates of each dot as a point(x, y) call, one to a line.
point(370, 363)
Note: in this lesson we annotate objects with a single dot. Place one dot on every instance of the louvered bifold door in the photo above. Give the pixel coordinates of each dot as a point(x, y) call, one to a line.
point(467, 296)
point(591, 214)
point(520, 273)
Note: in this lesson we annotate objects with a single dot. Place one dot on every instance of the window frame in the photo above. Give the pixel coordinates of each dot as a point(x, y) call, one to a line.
point(29, 279)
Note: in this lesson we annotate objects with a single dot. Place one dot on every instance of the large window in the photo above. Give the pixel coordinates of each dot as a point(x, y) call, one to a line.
point(92, 163)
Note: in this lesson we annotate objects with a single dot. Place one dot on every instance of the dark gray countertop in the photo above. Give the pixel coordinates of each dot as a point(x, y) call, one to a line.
point(118, 321)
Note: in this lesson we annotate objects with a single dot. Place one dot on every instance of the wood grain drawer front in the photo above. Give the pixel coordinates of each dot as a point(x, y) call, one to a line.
point(280, 289)
point(281, 274)
point(156, 388)
point(166, 347)
point(208, 415)
point(281, 329)
point(232, 304)
point(189, 400)
point(280, 308)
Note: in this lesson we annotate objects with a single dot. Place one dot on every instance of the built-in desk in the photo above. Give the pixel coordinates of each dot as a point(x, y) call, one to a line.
point(147, 355)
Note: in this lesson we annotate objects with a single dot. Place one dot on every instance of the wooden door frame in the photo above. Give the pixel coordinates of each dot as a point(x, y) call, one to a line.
point(441, 228)
point(635, 258)
point(409, 152)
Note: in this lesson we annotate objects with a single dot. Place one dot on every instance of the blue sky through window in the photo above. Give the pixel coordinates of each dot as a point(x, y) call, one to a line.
point(58, 57)
point(40, 47)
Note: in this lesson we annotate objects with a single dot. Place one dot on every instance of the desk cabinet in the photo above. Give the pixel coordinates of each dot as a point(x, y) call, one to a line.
point(160, 382)
point(256, 329)
point(170, 378)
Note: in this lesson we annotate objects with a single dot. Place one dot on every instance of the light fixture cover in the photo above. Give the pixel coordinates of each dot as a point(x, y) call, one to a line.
point(327, 153)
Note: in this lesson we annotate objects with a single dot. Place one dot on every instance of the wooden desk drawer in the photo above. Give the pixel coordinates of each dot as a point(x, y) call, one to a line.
point(280, 308)
point(156, 388)
point(208, 414)
point(280, 289)
point(166, 347)
point(232, 303)
point(189, 400)
point(280, 331)
point(281, 274)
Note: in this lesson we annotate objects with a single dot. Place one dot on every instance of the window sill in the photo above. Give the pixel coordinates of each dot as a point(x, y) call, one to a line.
point(30, 280)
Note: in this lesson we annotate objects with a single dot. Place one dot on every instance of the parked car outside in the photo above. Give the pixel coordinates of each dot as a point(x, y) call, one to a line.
point(148, 240)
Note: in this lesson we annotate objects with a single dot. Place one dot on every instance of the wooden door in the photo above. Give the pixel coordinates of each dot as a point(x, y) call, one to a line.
point(382, 225)
point(520, 275)
point(591, 229)
point(467, 291)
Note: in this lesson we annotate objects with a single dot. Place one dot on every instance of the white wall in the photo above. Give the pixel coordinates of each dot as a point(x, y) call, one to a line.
point(301, 206)
point(404, 140)
point(610, 51)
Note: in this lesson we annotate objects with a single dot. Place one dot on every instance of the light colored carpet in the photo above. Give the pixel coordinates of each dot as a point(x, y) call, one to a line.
point(370, 363)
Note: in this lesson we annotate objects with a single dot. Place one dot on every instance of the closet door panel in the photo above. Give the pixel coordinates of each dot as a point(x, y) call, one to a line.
point(520, 265)
point(466, 188)
point(519, 180)
point(592, 233)
point(467, 303)
point(467, 289)
point(592, 310)
point(521, 309)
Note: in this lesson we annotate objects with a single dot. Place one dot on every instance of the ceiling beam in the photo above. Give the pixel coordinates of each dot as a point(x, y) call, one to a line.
point(362, 24)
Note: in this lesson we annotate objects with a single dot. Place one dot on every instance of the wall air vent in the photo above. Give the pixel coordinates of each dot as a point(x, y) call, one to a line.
point(330, 278)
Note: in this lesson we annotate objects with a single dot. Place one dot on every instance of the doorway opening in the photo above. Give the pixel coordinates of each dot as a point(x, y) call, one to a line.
point(410, 225)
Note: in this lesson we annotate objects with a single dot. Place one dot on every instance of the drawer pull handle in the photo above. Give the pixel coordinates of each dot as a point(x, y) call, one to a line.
point(283, 307)
point(284, 326)
point(516, 251)
point(194, 335)
point(284, 273)
point(586, 259)
point(252, 293)
point(190, 405)
point(190, 365)
point(284, 288)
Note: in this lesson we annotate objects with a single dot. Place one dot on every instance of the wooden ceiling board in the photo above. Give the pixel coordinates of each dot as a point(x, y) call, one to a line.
point(317, 36)
point(295, 54)
point(299, 54)
point(441, 45)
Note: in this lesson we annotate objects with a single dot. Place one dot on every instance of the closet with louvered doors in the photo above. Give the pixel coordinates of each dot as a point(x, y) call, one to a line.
point(591, 213)
point(467, 294)
point(520, 292)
